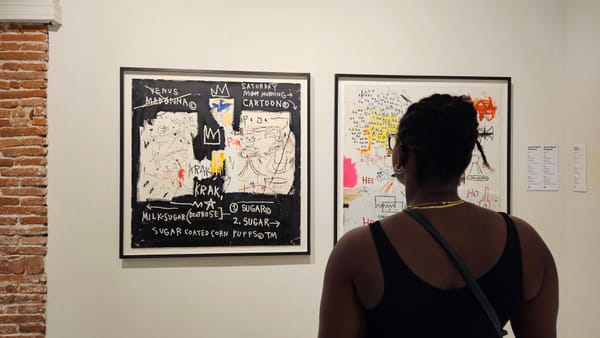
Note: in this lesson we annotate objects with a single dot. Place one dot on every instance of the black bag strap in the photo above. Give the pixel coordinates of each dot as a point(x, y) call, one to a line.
point(460, 266)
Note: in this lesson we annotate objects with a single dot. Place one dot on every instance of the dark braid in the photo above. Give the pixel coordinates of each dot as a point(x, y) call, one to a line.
point(441, 132)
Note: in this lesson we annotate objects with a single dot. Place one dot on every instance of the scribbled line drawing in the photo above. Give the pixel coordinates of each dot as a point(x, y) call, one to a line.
point(220, 91)
point(486, 133)
point(166, 156)
point(263, 158)
point(475, 170)
point(388, 204)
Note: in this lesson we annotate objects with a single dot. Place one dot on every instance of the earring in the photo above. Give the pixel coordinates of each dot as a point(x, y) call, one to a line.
point(398, 170)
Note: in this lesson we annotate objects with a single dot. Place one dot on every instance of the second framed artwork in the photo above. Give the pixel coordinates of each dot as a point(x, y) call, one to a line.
point(368, 109)
point(214, 162)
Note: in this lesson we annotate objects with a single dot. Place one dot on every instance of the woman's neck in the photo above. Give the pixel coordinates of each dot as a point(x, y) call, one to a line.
point(423, 193)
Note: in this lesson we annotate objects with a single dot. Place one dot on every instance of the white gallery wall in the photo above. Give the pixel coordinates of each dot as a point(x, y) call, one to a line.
point(550, 49)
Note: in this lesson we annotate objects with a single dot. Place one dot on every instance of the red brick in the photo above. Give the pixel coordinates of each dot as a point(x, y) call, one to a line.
point(13, 123)
point(9, 182)
point(20, 131)
point(8, 329)
point(22, 93)
point(43, 47)
point(33, 308)
point(37, 240)
point(34, 84)
point(23, 75)
point(9, 200)
point(23, 37)
point(6, 162)
point(24, 191)
point(29, 56)
point(39, 121)
point(22, 250)
point(6, 298)
point(21, 318)
point(6, 46)
point(33, 102)
point(9, 103)
point(36, 161)
point(8, 288)
point(8, 240)
point(12, 278)
point(22, 210)
point(34, 220)
point(23, 171)
point(30, 265)
point(24, 151)
point(30, 298)
point(4, 84)
point(24, 230)
point(34, 182)
point(23, 141)
point(8, 220)
point(32, 288)
point(33, 201)
point(32, 328)
point(41, 66)
point(29, 335)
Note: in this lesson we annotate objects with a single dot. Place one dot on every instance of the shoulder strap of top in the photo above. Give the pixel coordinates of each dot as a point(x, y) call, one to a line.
point(385, 249)
point(513, 250)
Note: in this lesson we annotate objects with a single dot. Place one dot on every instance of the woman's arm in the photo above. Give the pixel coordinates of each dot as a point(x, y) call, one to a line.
point(340, 314)
point(537, 318)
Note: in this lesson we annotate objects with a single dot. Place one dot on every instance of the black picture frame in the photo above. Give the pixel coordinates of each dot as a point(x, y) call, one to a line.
point(214, 163)
point(364, 189)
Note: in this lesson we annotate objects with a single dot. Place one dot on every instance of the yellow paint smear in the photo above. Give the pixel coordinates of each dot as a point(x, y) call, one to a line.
point(217, 161)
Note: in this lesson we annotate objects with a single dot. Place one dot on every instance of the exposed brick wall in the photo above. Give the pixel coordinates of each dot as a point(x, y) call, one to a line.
point(23, 180)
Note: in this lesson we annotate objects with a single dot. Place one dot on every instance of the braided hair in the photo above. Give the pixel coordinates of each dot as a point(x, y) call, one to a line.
point(440, 131)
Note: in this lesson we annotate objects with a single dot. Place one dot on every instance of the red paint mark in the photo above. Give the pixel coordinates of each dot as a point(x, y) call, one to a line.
point(180, 174)
point(231, 140)
point(350, 175)
point(388, 187)
point(485, 108)
point(485, 201)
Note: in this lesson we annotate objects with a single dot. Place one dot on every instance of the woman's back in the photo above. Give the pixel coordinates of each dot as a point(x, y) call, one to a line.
point(418, 286)
point(422, 289)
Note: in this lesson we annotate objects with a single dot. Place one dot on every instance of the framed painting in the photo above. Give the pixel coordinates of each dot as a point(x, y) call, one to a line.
point(368, 109)
point(213, 163)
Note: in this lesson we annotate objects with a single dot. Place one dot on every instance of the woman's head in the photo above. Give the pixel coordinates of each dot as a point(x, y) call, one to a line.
point(439, 133)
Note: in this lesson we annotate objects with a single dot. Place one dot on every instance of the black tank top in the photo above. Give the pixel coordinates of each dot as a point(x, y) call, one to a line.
point(410, 307)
